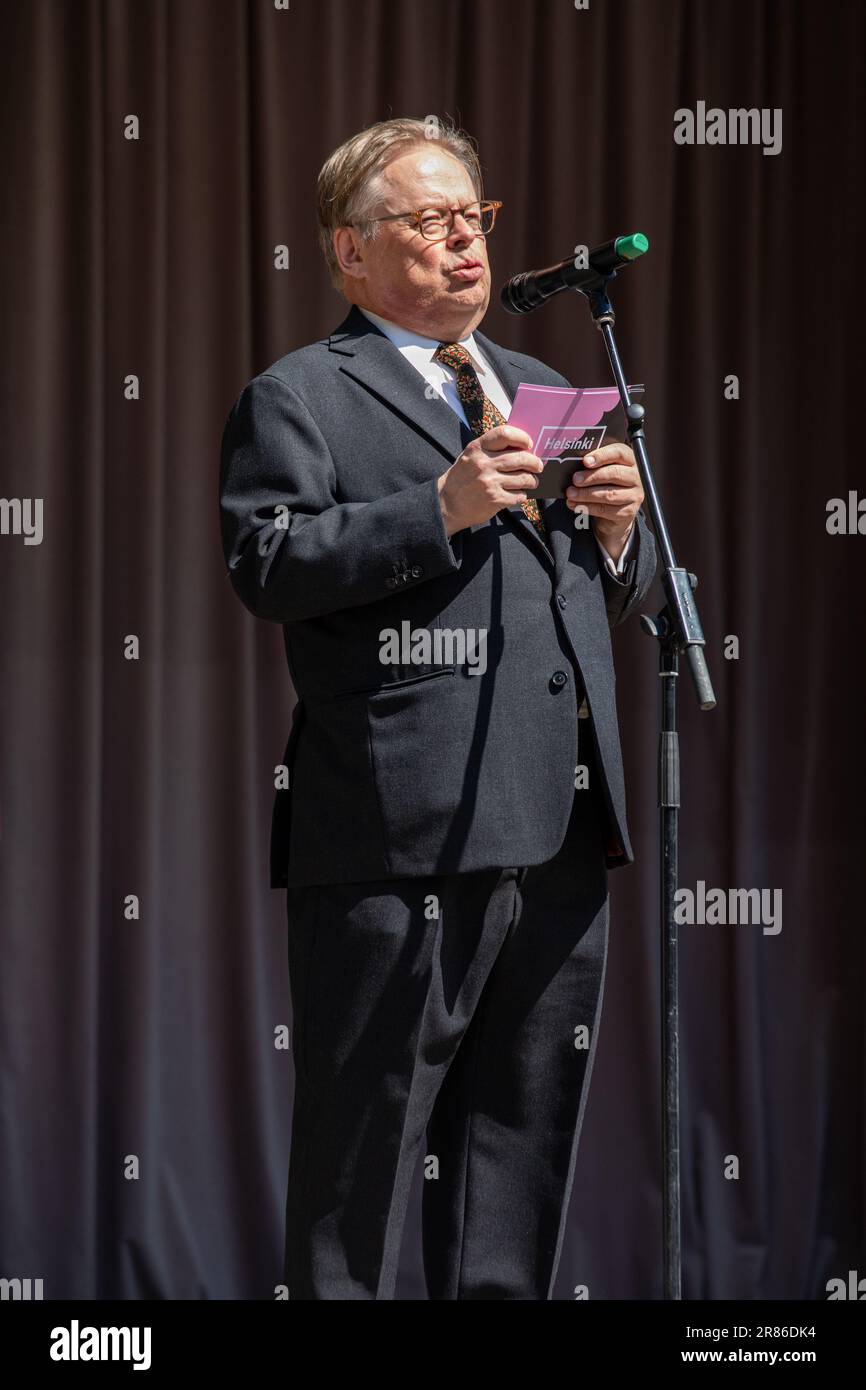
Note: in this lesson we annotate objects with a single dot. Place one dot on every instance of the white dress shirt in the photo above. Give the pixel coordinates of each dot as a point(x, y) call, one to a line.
point(419, 352)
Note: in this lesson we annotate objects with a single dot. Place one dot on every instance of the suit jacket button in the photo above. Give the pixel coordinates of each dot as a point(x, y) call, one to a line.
point(417, 571)
point(558, 679)
point(561, 600)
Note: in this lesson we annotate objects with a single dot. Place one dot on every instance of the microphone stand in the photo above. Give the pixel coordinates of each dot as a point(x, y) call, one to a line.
point(677, 628)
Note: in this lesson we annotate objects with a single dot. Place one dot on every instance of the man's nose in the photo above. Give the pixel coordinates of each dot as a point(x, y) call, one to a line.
point(461, 230)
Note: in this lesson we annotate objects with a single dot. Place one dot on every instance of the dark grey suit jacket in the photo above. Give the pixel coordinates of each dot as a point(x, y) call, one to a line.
point(331, 526)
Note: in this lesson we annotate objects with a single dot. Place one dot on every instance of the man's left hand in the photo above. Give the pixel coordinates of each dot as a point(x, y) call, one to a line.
point(610, 489)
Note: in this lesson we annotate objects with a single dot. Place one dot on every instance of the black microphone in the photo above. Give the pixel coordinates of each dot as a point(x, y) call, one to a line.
point(526, 292)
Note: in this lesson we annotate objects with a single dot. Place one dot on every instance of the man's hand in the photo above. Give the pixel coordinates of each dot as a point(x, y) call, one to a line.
point(610, 489)
point(495, 470)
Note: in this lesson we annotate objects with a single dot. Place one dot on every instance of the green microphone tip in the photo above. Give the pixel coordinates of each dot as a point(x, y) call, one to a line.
point(632, 246)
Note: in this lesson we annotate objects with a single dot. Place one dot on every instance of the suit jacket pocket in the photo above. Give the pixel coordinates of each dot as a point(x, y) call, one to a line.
point(420, 737)
point(401, 682)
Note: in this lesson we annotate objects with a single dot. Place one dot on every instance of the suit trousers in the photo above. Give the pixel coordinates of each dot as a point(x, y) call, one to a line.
point(459, 1013)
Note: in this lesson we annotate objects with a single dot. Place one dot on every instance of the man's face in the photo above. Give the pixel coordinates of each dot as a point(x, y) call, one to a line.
point(439, 289)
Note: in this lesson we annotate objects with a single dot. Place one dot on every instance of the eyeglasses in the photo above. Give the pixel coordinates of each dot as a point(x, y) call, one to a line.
point(436, 224)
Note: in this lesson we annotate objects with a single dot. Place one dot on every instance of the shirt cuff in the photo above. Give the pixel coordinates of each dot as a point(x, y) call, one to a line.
point(616, 567)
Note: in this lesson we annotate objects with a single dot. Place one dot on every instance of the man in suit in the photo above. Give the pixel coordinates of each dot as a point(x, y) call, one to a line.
point(450, 818)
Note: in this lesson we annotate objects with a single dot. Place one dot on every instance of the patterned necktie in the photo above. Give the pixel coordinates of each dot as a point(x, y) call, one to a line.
point(480, 411)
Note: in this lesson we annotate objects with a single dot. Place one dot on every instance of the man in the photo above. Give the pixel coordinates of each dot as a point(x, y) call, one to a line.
point(446, 836)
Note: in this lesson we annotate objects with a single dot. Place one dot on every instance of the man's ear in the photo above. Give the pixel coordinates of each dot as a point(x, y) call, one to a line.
point(347, 249)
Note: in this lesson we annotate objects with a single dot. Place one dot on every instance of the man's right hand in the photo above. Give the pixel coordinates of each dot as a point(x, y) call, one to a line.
point(495, 470)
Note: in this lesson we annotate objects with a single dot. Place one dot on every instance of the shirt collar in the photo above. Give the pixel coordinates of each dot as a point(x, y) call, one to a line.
point(407, 338)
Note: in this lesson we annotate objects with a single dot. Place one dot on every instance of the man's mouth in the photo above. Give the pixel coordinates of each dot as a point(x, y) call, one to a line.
point(468, 271)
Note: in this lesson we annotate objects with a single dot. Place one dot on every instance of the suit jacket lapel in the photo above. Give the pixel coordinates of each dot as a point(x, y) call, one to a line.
point(372, 359)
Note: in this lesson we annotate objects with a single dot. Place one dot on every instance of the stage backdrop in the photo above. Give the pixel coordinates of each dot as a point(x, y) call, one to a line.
point(145, 1106)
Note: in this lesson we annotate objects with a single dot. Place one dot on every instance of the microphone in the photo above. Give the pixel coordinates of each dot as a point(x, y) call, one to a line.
point(526, 292)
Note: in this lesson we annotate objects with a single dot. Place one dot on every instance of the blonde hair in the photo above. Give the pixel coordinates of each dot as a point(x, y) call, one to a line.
point(348, 187)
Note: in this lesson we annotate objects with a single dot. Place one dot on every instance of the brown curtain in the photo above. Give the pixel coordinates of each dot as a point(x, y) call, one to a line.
point(145, 1107)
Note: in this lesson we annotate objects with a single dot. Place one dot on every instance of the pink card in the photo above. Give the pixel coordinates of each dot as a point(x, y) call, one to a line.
point(566, 423)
